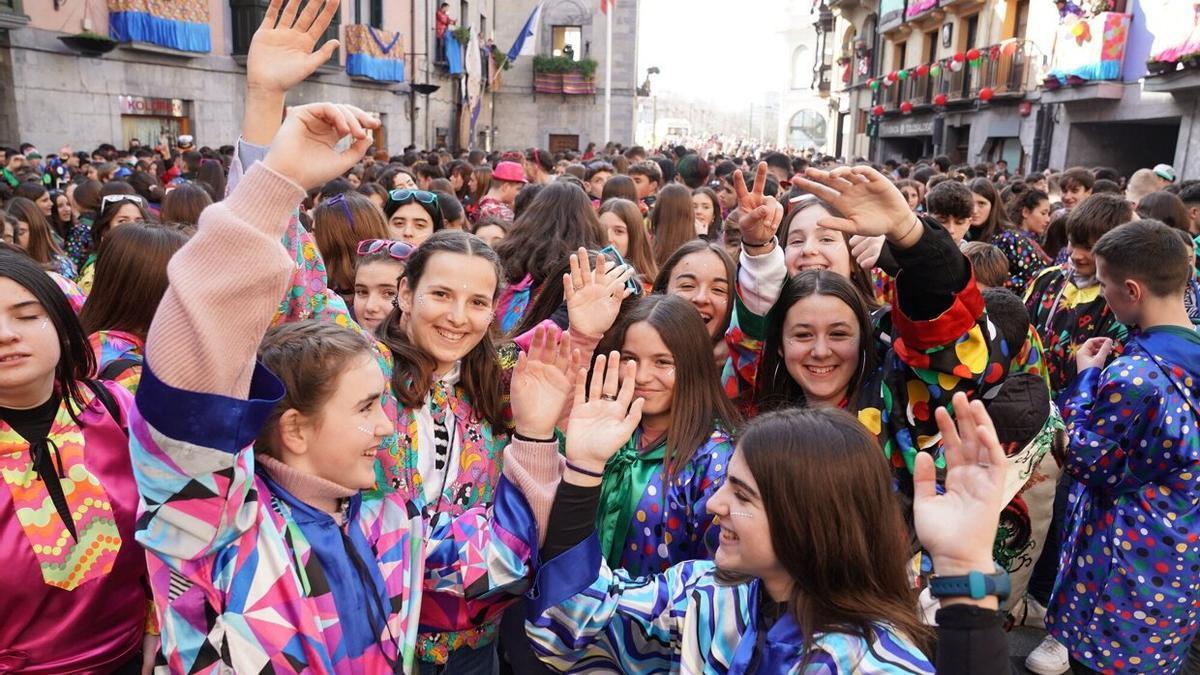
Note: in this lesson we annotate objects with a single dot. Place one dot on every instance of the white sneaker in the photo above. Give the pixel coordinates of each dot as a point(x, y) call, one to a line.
point(1050, 658)
point(1029, 612)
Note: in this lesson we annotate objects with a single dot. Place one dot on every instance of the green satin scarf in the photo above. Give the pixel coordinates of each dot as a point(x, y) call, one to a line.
point(626, 476)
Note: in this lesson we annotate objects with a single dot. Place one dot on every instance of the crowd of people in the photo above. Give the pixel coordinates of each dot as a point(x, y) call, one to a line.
point(291, 405)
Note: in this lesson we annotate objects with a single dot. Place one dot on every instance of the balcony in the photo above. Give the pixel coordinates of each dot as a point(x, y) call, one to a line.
point(891, 15)
point(923, 13)
point(1007, 69)
point(1088, 52)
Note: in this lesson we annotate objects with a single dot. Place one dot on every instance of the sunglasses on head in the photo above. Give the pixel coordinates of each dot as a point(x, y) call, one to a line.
point(396, 249)
point(117, 199)
point(405, 194)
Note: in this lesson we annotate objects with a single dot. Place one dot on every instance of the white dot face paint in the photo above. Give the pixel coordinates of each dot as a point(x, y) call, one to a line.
point(366, 431)
point(741, 514)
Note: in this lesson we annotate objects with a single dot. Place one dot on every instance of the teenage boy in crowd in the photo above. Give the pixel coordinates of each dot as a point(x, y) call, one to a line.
point(647, 178)
point(950, 203)
point(1127, 594)
point(1077, 183)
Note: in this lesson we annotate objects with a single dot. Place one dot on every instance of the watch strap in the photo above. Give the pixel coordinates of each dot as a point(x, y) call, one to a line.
point(975, 585)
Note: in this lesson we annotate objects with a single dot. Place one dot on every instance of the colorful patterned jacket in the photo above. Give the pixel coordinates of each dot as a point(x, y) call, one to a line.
point(663, 522)
point(72, 604)
point(241, 570)
point(118, 357)
point(1026, 259)
point(448, 621)
point(1065, 317)
point(585, 617)
point(1127, 597)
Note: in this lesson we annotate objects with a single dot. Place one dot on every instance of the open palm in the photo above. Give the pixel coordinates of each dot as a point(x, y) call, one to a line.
point(870, 203)
point(541, 384)
point(605, 416)
point(958, 527)
point(593, 295)
point(281, 53)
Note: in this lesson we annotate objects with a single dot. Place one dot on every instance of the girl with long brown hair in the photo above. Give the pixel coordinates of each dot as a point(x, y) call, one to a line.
point(656, 485)
point(558, 222)
point(990, 224)
point(33, 234)
point(131, 278)
point(672, 221)
point(626, 228)
point(809, 575)
point(339, 224)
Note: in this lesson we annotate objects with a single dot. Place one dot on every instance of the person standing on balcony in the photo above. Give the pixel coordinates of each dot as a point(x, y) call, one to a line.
point(444, 22)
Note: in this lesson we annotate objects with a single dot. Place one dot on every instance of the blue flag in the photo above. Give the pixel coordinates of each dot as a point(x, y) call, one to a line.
point(529, 30)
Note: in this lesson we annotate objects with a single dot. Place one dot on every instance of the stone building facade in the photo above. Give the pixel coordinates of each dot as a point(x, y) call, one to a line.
point(52, 94)
point(524, 118)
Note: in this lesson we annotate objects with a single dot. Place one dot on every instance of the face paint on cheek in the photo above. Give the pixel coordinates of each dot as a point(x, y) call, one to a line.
point(365, 431)
point(741, 514)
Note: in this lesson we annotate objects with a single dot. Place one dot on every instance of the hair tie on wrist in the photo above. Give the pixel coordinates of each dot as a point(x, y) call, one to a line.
point(585, 472)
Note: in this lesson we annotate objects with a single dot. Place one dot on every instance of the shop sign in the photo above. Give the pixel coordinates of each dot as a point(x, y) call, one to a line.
point(157, 107)
point(906, 127)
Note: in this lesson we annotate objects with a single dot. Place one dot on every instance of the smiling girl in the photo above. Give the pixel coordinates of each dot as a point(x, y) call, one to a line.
point(377, 275)
point(809, 574)
point(288, 449)
point(652, 504)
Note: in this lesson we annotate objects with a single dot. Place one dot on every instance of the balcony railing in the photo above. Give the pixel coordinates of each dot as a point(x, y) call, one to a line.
point(1008, 69)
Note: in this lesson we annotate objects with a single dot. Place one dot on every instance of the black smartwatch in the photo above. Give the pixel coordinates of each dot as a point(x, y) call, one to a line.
point(974, 585)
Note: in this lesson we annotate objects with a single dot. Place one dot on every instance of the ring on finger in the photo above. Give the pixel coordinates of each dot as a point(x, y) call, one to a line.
point(607, 397)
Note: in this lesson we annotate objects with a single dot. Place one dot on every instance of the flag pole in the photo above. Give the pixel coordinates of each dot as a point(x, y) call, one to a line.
point(608, 49)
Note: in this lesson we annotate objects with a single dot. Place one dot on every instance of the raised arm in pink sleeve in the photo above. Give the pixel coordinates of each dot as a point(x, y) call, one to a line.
point(225, 287)
point(536, 469)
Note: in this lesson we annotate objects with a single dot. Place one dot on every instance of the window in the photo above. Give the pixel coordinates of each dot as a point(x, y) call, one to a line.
point(931, 42)
point(369, 12)
point(801, 68)
point(807, 130)
point(970, 32)
point(899, 55)
point(247, 15)
point(567, 41)
point(1022, 23)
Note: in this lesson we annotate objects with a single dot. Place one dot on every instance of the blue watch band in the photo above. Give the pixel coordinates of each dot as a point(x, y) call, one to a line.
point(975, 585)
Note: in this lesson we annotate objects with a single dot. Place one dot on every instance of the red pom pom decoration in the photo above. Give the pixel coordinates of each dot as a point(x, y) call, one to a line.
point(922, 70)
point(986, 94)
point(877, 111)
point(940, 99)
point(906, 107)
point(973, 54)
point(959, 56)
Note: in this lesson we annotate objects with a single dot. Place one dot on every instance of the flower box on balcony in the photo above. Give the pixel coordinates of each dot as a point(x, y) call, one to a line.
point(563, 75)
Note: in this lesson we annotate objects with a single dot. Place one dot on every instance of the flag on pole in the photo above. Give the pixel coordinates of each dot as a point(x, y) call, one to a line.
point(605, 4)
point(522, 46)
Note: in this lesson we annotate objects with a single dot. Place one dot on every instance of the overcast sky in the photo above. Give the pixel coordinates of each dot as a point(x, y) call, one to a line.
point(722, 51)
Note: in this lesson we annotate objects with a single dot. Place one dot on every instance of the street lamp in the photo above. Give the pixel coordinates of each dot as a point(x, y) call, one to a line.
point(426, 89)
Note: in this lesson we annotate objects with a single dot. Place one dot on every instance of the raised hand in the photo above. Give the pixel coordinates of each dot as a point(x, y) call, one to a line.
point(541, 384)
point(870, 203)
point(1093, 353)
point(281, 52)
point(594, 296)
point(958, 527)
point(761, 215)
point(281, 55)
point(605, 416)
point(305, 149)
